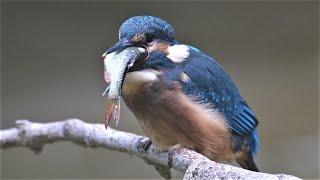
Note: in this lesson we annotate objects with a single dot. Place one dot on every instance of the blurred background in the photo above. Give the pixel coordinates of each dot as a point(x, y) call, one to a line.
point(51, 71)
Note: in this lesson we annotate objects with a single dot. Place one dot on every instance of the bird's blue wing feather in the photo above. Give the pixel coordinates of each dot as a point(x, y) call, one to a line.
point(210, 84)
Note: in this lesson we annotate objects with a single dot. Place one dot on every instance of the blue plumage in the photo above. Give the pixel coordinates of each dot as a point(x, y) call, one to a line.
point(254, 143)
point(143, 24)
point(211, 84)
point(182, 69)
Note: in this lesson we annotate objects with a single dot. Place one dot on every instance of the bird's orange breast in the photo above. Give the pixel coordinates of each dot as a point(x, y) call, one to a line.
point(170, 117)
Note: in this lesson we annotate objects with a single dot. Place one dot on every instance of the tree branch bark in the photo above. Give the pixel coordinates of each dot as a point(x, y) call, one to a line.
point(35, 135)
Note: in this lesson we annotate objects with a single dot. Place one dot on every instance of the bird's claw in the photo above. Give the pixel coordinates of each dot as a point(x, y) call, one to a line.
point(144, 145)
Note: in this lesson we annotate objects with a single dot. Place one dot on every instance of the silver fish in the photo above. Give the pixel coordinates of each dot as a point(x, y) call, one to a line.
point(115, 65)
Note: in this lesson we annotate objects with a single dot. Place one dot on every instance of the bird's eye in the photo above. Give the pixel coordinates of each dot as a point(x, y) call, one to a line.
point(149, 38)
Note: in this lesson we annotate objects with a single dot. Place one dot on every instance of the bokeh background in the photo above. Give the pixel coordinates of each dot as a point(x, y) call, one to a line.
point(51, 71)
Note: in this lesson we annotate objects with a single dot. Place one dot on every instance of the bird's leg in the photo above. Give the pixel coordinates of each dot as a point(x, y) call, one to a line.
point(143, 145)
point(171, 151)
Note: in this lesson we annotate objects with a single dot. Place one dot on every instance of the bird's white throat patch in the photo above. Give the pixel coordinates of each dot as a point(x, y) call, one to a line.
point(178, 53)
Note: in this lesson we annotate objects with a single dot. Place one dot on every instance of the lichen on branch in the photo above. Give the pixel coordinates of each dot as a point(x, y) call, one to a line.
point(195, 166)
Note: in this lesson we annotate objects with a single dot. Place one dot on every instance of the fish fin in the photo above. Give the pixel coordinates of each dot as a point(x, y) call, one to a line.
point(112, 111)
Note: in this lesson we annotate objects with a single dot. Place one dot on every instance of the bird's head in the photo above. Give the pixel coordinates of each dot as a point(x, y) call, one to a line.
point(141, 31)
point(138, 37)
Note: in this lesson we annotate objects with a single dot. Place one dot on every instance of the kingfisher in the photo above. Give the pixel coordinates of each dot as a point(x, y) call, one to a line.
point(180, 95)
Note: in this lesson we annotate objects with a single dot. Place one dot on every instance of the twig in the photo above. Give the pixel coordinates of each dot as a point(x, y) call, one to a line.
point(36, 135)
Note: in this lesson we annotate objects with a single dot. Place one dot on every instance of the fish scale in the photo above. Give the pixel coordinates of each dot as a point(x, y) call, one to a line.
point(115, 65)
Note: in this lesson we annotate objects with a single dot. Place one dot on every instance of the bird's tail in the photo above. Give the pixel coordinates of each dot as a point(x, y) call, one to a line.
point(247, 162)
point(247, 159)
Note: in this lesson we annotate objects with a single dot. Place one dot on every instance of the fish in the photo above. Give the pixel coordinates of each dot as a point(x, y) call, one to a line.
point(115, 66)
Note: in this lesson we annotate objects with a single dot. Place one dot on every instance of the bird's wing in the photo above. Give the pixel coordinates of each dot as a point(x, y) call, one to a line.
point(210, 84)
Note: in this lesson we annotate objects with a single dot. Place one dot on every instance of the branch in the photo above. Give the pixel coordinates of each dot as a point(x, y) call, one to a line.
point(35, 135)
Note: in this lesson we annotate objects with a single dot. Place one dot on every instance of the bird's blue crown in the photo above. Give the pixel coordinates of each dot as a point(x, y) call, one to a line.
point(146, 24)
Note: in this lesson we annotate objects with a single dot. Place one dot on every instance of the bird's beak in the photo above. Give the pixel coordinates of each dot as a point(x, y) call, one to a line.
point(120, 45)
point(117, 60)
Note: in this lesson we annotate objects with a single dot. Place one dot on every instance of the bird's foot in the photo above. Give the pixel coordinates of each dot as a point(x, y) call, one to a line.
point(143, 145)
point(171, 152)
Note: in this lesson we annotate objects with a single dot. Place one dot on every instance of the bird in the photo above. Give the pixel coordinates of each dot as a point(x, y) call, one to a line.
point(182, 96)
